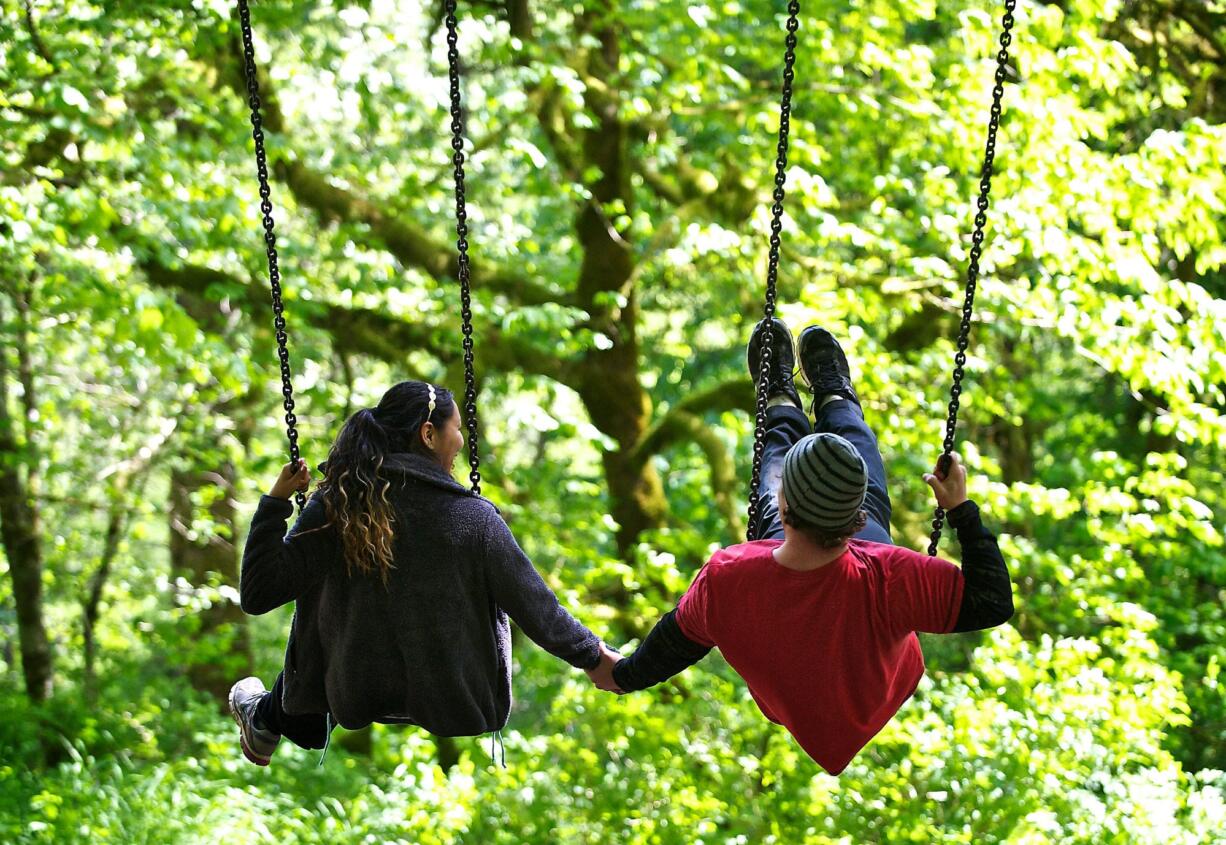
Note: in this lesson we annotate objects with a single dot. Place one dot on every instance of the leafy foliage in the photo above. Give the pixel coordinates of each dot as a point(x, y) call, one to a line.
point(1095, 417)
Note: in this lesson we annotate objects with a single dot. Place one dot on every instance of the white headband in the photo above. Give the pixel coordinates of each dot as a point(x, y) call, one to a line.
point(433, 404)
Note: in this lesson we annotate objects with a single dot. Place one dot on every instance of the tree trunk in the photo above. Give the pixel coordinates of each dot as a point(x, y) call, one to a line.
point(19, 532)
point(207, 557)
point(91, 607)
point(609, 379)
point(1015, 442)
point(620, 409)
point(125, 490)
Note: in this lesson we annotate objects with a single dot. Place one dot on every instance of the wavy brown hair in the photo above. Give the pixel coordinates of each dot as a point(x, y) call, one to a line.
point(354, 493)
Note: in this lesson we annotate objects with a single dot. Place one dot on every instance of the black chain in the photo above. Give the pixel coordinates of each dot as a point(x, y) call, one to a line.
point(461, 230)
point(270, 238)
point(772, 267)
point(972, 271)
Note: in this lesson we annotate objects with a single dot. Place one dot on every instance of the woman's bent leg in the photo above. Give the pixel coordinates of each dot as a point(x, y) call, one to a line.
point(309, 730)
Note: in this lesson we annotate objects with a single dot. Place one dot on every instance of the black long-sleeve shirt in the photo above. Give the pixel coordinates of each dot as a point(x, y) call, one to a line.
point(987, 601)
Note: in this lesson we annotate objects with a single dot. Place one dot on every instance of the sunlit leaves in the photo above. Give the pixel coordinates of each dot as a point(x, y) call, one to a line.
point(1094, 420)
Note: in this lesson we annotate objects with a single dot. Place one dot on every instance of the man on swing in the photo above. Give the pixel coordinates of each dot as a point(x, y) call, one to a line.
point(819, 615)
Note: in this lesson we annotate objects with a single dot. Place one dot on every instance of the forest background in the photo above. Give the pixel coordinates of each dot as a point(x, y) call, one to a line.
point(619, 182)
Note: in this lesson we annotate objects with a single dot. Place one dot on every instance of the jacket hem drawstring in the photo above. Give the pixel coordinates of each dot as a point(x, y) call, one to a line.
point(496, 737)
point(327, 740)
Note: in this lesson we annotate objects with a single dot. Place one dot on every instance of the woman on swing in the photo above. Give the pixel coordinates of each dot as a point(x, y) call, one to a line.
point(403, 580)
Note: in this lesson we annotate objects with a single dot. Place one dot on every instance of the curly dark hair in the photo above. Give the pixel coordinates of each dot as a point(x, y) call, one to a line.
point(825, 538)
point(353, 492)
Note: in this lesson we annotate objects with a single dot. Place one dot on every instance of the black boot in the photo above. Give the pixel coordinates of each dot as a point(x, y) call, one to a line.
point(824, 367)
point(782, 359)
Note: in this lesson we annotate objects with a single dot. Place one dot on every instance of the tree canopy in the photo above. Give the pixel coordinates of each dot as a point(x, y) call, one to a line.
point(620, 168)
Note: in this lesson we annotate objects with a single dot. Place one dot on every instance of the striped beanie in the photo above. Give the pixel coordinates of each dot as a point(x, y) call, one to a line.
point(824, 481)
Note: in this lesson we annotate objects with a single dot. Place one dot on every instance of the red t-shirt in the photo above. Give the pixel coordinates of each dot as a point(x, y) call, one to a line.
point(830, 654)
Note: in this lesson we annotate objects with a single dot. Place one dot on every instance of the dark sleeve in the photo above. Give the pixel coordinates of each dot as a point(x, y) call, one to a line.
point(519, 590)
point(277, 569)
point(666, 652)
point(987, 598)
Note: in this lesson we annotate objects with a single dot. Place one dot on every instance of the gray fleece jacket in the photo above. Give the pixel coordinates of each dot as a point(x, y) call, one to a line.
point(433, 647)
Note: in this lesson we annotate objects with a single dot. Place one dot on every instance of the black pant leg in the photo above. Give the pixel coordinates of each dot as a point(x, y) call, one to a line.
point(845, 419)
point(786, 425)
point(309, 730)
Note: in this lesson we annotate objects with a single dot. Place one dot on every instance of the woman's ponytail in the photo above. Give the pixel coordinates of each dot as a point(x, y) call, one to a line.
point(361, 437)
point(353, 492)
point(355, 496)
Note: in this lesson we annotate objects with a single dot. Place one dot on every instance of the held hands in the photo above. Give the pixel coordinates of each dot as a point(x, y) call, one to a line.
point(602, 674)
point(291, 481)
point(950, 485)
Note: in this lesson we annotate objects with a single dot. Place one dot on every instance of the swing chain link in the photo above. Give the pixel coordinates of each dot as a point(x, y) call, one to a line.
point(270, 238)
point(461, 214)
point(972, 272)
point(772, 267)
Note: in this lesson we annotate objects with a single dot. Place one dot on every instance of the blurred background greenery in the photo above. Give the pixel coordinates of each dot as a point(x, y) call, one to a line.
point(620, 175)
